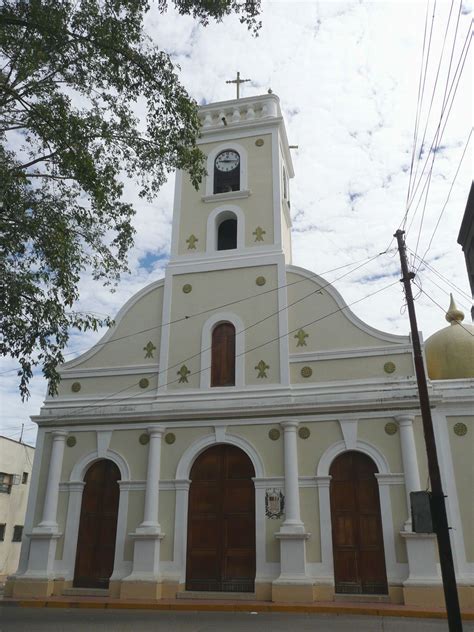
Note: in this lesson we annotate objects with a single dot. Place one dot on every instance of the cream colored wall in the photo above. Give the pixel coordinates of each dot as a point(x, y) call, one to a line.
point(272, 545)
point(145, 314)
point(126, 385)
point(171, 454)
point(61, 520)
point(309, 504)
point(334, 332)
point(257, 208)
point(373, 431)
point(166, 516)
point(270, 451)
point(421, 452)
point(15, 458)
point(86, 442)
point(185, 336)
point(462, 448)
point(310, 450)
point(286, 235)
point(351, 368)
point(136, 505)
point(399, 515)
point(126, 443)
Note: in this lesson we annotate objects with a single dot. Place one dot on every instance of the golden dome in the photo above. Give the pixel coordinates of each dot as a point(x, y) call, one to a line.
point(450, 351)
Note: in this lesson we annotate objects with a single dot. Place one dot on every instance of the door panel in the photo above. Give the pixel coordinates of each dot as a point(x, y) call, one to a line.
point(221, 522)
point(359, 561)
point(98, 526)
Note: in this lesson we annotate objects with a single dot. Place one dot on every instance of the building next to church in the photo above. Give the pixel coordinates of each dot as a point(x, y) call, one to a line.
point(16, 462)
point(239, 429)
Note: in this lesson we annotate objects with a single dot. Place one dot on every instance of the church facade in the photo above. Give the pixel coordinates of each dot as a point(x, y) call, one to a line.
point(239, 429)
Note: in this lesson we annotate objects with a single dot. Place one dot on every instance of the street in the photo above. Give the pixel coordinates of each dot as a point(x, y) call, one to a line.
point(17, 619)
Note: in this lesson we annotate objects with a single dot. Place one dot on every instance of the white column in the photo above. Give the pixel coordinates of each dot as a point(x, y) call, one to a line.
point(292, 492)
point(410, 460)
point(150, 514)
point(292, 534)
point(50, 506)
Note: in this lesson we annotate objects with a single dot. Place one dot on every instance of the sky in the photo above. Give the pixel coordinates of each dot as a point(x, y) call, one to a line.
point(348, 76)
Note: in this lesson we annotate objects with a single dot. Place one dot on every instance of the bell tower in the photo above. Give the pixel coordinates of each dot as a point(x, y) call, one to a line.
point(231, 240)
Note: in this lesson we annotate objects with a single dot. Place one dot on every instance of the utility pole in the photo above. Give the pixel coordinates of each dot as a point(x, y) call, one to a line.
point(438, 505)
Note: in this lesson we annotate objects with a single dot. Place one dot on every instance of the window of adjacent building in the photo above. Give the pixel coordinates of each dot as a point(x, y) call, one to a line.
point(227, 234)
point(227, 172)
point(17, 533)
point(223, 355)
point(24, 478)
point(6, 482)
point(2, 532)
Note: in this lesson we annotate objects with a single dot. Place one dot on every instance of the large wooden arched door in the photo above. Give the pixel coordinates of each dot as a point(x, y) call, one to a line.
point(359, 560)
point(97, 526)
point(221, 522)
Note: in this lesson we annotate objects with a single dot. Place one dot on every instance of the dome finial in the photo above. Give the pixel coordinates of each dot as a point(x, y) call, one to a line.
point(454, 315)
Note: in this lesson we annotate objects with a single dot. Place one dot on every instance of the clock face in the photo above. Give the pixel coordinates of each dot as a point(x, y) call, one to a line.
point(227, 160)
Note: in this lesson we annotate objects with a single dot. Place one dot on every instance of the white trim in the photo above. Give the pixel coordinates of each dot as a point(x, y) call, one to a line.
point(175, 226)
point(111, 371)
point(80, 468)
point(215, 151)
point(206, 350)
point(227, 211)
point(344, 354)
point(228, 195)
point(338, 448)
point(165, 333)
point(110, 332)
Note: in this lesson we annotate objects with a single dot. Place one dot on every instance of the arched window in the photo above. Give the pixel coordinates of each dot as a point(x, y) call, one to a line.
point(223, 355)
point(227, 171)
point(227, 234)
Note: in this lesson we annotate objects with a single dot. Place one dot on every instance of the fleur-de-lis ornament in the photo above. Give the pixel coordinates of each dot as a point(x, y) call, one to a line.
point(183, 374)
point(149, 348)
point(192, 241)
point(259, 233)
point(262, 369)
point(301, 336)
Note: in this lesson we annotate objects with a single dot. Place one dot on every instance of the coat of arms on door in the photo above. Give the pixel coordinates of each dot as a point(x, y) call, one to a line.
point(274, 503)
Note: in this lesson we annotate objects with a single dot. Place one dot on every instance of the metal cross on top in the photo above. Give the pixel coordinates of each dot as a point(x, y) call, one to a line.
point(238, 81)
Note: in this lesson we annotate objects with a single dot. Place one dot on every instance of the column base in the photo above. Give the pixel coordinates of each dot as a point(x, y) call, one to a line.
point(421, 553)
point(423, 595)
point(292, 556)
point(296, 591)
point(139, 589)
point(26, 588)
point(146, 556)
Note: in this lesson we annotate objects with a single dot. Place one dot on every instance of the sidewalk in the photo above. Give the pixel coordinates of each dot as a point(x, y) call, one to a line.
point(375, 609)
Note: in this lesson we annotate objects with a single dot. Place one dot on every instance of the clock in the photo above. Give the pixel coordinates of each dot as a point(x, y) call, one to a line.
point(227, 160)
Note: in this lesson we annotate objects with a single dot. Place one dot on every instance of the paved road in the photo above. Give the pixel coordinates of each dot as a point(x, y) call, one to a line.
point(15, 619)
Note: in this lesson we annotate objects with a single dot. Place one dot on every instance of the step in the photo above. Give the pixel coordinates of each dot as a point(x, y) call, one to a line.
point(209, 595)
point(361, 598)
point(85, 592)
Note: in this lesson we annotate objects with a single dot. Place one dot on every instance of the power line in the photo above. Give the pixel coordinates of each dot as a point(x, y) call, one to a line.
point(443, 309)
point(239, 300)
point(441, 276)
point(315, 321)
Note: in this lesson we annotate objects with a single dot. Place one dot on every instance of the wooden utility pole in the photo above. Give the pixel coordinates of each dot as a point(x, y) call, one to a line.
point(438, 505)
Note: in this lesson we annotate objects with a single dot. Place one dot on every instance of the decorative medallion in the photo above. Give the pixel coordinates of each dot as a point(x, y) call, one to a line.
point(170, 438)
point(144, 438)
point(389, 367)
point(274, 434)
point(391, 428)
point(149, 348)
point(144, 383)
point(183, 374)
point(261, 280)
point(274, 503)
point(262, 369)
point(259, 233)
point(304, 432)
point(76, 387)
point(187, 288)
point(71, 441)
point(301, 336)
point(192, 241)
point(460, 429)
point(306, 371)
point(259, 142)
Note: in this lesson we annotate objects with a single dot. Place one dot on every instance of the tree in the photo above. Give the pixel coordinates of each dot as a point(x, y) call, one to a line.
point(71, 73)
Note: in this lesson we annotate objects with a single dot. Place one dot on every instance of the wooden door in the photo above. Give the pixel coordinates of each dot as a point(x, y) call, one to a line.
point(359, 560)
point(221, 522)
point(223, 355)
point(97, 526)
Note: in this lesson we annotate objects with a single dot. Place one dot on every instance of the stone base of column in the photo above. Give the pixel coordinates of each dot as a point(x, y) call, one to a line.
point(146, 557)
point(137, 589)
point(293, 584)
point(42, 553)
point(421, 553)
point(27, 587)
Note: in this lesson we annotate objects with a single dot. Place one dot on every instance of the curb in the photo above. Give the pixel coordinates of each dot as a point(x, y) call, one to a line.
point(241, 606)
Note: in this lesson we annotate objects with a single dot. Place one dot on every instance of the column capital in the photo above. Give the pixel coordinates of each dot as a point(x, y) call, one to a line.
point(156, 431)
point(406, 419)
point(289, 425)
point(59, 435)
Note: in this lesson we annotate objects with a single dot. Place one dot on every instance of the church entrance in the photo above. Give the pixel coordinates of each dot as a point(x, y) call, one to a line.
point(221, 522)
point(97, 526)
point(359, 560)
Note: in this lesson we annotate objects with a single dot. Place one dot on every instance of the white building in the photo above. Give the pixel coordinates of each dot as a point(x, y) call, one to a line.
point(16, 463)
point(239, 429)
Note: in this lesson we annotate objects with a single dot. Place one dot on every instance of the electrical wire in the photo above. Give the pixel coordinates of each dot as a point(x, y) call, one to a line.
point(441, 276)
point(443, 309)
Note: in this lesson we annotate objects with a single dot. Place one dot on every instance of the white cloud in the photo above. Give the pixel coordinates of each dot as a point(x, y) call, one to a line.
point(347, 75)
